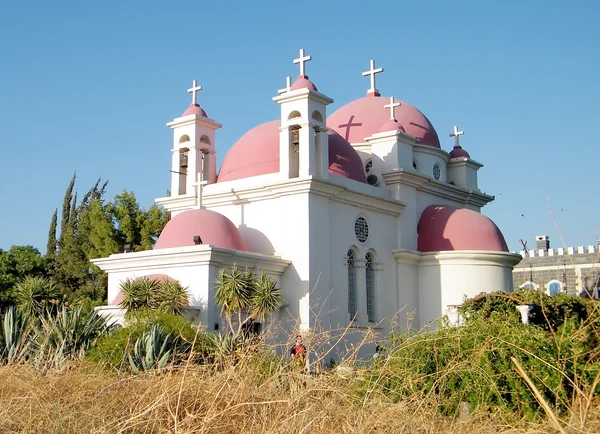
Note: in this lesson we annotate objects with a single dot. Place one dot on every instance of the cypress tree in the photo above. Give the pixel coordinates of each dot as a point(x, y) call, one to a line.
point(66, 208)
point(51, 246)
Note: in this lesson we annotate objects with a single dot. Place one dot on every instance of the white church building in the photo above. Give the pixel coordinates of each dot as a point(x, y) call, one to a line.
point(359, 215)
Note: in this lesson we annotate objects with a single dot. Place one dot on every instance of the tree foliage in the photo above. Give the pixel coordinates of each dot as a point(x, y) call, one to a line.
point(15, 263)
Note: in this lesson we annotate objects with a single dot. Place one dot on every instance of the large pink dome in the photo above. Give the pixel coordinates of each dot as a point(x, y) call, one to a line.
point(443, 228)
point(257, 153)
point(212, 228)
point(366, 116)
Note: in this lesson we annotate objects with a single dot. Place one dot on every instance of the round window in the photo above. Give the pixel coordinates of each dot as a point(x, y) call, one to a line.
point(436, 171)
point(368, 166)
point(361, 229)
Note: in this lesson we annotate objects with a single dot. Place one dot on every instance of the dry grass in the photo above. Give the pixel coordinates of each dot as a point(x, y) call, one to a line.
point(231, 400)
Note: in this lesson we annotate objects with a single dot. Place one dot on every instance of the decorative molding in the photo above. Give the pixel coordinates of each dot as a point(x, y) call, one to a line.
point(189, 256)
point(436, 188)
point(457, 257)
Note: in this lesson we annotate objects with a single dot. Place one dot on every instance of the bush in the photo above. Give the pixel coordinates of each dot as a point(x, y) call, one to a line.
point(35, 295)
point(112, 351)
point(472, 363)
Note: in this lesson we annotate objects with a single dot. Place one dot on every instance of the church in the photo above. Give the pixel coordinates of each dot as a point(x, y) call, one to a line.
point(359, 215)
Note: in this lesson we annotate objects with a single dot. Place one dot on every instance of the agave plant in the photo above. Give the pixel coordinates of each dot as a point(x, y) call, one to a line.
point(151, 351)
point(35, 295)
point(171, 297)
point(14, 341)
point(67, 336)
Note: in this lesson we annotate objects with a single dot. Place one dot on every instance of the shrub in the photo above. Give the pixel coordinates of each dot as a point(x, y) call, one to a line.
point(111, 351)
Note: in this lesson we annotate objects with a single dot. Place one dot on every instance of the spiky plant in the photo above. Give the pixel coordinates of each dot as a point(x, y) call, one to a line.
point(14, 341)
point(35, 295)
point(171, 297)
point(67, 336)
point(152, 350)
point(138, 293)
point(266, 297)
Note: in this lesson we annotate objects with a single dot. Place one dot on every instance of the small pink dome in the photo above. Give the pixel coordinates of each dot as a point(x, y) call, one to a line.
point(257, 153)
point(392, 125)
point(213, 228)
point(364, 117)
point(458, 151)
point(302, 82)
point(443, 228)
point(194, 109)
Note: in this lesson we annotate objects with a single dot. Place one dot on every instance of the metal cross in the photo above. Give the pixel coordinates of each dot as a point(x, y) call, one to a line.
point(288, 85)
point(455, 134)
point(392, 106)
point(194, 90)
point(372, 73)
point(302, 60)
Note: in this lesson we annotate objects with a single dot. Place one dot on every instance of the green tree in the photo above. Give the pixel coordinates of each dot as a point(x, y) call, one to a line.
point(51, 245)
point(244, 297)
point(16, 263)
point(66, 208)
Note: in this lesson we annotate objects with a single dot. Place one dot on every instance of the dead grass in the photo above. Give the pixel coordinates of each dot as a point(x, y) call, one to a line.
point(229, 400)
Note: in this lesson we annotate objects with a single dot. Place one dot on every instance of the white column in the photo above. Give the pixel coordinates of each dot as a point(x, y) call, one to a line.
point(524, 311)
point(175, 169)
point(284, 152)
point(322, 156)
point(192, 169)
point(307, 151)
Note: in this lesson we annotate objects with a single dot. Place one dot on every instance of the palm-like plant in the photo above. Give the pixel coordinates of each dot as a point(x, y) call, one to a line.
point(242, 294)
point(35, 295)
point(171, 297)
point(138, 293)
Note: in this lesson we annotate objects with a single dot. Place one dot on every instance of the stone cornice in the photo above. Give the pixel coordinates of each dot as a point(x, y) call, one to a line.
point(194, 119)
point(428, 185)
point(189, 256)
point(455, 257)
point(464, 161)
point(298, 94)
point(377, 199)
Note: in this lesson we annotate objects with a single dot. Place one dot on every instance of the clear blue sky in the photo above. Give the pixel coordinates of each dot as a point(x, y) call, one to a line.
point(89, 86)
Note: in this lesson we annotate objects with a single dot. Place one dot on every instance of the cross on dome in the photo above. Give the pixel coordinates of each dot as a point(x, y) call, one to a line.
point(194, 90)
point(456, 135)
point(372, 73)
point(392, 106)
point(302, 60)
point(288, 85)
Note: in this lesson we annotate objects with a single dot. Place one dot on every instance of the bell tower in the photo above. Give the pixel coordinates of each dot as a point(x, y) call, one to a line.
point(303, 140)
point(193, 159)
point(193, 150)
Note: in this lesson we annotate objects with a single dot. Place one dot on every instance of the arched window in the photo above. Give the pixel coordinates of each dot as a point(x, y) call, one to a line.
point(352, 308)
point(370, 284)
point(529, 285)
point(554, 288)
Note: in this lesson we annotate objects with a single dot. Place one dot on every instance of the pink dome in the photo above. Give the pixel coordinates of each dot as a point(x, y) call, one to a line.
point(443, 228)
point(365, 116)
point(194, 109)
point(303, 82)
point(392, 125)
point(257, 153)
point(458, 152)
point(213, 228)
